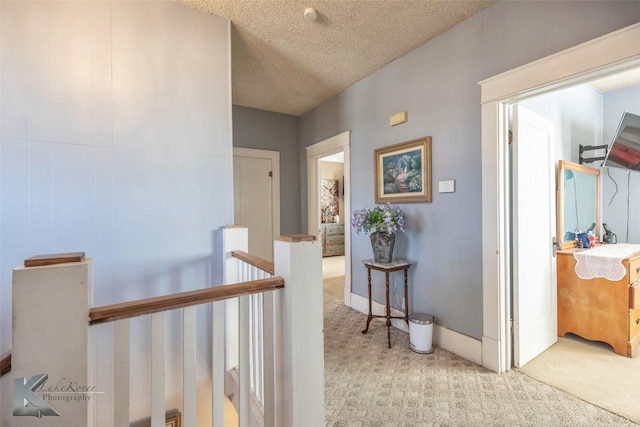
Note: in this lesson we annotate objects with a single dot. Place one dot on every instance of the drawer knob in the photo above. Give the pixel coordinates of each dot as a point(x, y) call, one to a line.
point(638, 321)
point(637, 269)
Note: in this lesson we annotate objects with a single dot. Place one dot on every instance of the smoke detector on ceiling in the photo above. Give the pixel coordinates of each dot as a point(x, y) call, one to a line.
point(310, 14)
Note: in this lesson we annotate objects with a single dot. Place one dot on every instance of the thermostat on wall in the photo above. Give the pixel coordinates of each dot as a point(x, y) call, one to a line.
point(448, 186)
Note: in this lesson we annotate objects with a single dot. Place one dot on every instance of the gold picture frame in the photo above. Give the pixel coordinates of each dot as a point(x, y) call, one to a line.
point(402, 172)
point(173, 418)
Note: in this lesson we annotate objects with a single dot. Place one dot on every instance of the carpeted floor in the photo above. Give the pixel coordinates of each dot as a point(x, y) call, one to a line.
point(367, 384)
point(334, 286)
point(591, 371)
point(333, 276)
point(332, 267)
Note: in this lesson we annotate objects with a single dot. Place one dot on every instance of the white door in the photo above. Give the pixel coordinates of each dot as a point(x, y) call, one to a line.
point(534, 212)
point(255, 180)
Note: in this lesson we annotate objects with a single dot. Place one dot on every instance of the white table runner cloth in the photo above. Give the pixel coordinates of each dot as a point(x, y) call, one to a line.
point(604, 261)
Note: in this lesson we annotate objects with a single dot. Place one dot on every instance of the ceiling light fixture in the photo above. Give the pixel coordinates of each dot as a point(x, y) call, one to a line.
point(310, 14)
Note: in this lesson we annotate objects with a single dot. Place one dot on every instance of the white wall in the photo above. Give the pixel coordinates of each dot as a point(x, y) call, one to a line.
point(576, 113)
point(115, 139)
point(621, 188)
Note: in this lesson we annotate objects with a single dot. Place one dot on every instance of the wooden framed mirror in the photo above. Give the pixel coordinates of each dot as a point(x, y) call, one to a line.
point(578, 199)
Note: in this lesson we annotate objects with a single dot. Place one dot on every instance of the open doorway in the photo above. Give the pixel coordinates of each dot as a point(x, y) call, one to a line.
point(583, 362)
point(598, 58)
point(583, 115)
point(332, 217)
point(329, 208)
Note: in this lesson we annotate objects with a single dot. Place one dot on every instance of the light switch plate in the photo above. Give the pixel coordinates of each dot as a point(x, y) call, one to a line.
point(448, 186)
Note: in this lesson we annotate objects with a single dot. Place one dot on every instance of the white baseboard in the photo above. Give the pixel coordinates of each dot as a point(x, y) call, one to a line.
point(447, 339)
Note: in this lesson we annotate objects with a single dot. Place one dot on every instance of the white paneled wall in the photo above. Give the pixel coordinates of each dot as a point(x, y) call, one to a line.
point(115, 139)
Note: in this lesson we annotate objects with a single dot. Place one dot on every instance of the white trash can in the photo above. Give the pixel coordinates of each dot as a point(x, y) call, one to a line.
point(421, 332)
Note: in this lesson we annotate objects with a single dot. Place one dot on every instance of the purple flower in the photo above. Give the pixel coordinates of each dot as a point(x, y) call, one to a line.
point(388, 218)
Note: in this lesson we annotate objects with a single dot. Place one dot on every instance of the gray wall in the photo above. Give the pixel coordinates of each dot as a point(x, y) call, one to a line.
point(265, 130)
point(621, 209)
point(437, 85)
point(115, 140)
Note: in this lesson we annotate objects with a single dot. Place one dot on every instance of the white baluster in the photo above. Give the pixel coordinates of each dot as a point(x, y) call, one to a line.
point(243, 370)
point(253, 344)
point(218, 363)
point(268, 399)
point(157, 370)
point(121, 374)
point(259, 347)
point(189, 366)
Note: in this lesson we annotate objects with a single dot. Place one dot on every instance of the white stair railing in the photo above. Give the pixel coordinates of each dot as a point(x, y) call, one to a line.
point(157, 308)
point(254, 308)
point(279, 354)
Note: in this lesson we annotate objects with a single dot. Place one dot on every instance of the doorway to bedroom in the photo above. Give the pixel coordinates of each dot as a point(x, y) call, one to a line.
point(598, 58)
point(329, 210)
point(332, 219)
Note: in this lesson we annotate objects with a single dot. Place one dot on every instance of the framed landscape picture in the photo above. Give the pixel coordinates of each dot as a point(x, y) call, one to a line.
point(402, 172)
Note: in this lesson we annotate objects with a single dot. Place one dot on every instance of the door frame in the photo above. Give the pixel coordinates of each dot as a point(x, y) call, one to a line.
point(274, 156)
point(335, 144)
point(614, 52)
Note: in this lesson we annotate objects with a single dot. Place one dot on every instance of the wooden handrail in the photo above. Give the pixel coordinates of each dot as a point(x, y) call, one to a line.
point(5, 365)
point(262, 264)
point(109, 313)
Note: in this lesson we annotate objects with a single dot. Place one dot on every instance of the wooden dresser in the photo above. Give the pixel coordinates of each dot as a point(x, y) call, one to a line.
point(599, 309)
point(332, 236)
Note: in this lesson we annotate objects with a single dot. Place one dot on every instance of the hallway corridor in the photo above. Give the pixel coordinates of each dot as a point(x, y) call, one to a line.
point(367, 385)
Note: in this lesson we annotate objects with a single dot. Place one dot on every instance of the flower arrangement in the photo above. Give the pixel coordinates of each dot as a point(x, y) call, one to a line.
point(387, 218)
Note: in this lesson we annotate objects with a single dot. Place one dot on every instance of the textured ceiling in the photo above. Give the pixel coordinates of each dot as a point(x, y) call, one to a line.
point(283, 63)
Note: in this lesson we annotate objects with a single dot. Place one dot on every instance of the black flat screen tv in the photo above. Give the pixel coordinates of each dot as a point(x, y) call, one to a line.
point(624, 150)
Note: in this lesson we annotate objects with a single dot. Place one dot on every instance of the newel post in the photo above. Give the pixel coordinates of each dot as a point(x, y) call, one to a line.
point(299, 262)
point(51, 349)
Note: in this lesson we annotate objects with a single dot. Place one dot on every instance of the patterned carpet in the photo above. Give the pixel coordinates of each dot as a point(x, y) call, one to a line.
point(367, 384)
